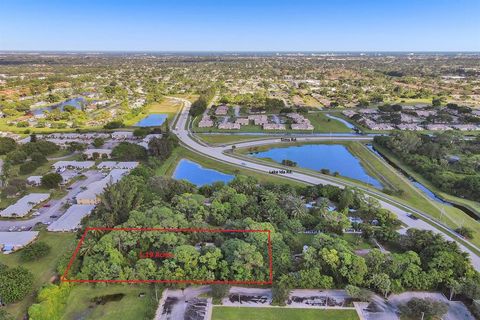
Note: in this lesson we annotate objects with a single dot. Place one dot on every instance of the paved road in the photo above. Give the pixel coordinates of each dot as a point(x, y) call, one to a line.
point(399, 209)
point(55, 205)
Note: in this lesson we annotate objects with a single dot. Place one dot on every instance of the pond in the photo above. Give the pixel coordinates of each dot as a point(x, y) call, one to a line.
point(345, 122)
point(152, 120)
point(198, 175)
point(77, 103)
point(334, 157)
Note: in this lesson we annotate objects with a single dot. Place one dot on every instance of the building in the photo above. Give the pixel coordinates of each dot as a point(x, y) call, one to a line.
point(11, 241)
point(34, 180)
point(110, 165)
point(95, 189)
point(81, 165)
point(71, 219)
point(122, 135)
point(101, 153)
point(466, 127)
point(274, 126)
point(437, 127)
point(206, 122)
point(221, 110)
point(242, 121)
point(229, 126)
point(258, 119)
point(24, 205)
point(409, 126)
point(302, 126)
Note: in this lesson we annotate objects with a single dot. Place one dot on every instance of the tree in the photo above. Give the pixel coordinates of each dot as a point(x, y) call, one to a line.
point(360, 294)
point(119, 199)
point(28, 167)
point(51, 180)
point(126, 151)
point(98, 142)
point(465, 231)
point(4, 315)
point(16, 157)
point(38, 157)
point(161, 147)
point(7, 145)
point(114, 125)
point(219, 291)
point(382, 283)
point(34, 251)
point(52, 301)
point(280, 293)
point(429, 308)
point(15, 283)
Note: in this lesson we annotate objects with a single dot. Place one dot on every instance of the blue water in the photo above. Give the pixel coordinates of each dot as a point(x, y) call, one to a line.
point(198, 175)
point(345, 122)
point(322, 156)
point(77, 103)
point(152, 120)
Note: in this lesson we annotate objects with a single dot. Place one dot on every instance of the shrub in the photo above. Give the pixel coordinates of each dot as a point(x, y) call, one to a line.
point(34, 251)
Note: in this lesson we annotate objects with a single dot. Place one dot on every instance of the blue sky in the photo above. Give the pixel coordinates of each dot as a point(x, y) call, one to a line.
point(241, 25)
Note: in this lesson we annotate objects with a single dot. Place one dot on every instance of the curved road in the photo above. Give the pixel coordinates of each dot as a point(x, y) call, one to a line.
point(399, 209)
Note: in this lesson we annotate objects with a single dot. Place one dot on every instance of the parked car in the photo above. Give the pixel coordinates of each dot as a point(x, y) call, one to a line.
point(48, 205)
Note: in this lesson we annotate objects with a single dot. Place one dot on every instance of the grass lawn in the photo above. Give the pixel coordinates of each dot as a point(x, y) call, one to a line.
point(219, 139)
point(168, 167)
point(43, 269)
point(242, 313)
point(130, 307)
point(324, 124)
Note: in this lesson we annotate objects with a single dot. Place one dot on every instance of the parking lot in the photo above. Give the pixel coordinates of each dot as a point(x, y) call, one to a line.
point(54, 208)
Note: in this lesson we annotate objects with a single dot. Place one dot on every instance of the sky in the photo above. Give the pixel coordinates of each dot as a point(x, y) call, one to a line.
point(240, 25)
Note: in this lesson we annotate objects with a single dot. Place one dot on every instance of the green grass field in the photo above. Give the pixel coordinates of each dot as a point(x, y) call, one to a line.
point(324, 124)
point(43, 269)
point(130, 307)
point(241, 313)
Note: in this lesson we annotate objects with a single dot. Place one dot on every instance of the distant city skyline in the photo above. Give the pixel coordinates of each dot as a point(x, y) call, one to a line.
point(241, 26)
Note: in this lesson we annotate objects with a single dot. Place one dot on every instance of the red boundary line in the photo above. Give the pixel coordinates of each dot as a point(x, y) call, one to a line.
point(82, 239)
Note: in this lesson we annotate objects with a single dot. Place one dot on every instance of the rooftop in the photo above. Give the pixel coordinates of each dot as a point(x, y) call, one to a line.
point(71, 219)
point(24, 205)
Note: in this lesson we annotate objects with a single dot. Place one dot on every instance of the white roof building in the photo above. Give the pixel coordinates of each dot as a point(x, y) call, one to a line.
point(24, 205)
point(122, 135)
point(95, 189)
point(221, 110)
point(118, 165)
point(11, 241)
point(229, 126)
point(89, 152)
point(34, 180)
point(436, 127)
point(73, 164)
point(71, 219)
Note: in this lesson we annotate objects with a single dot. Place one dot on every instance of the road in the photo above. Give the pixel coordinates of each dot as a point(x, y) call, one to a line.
point(56, 206)
point(397, 208)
